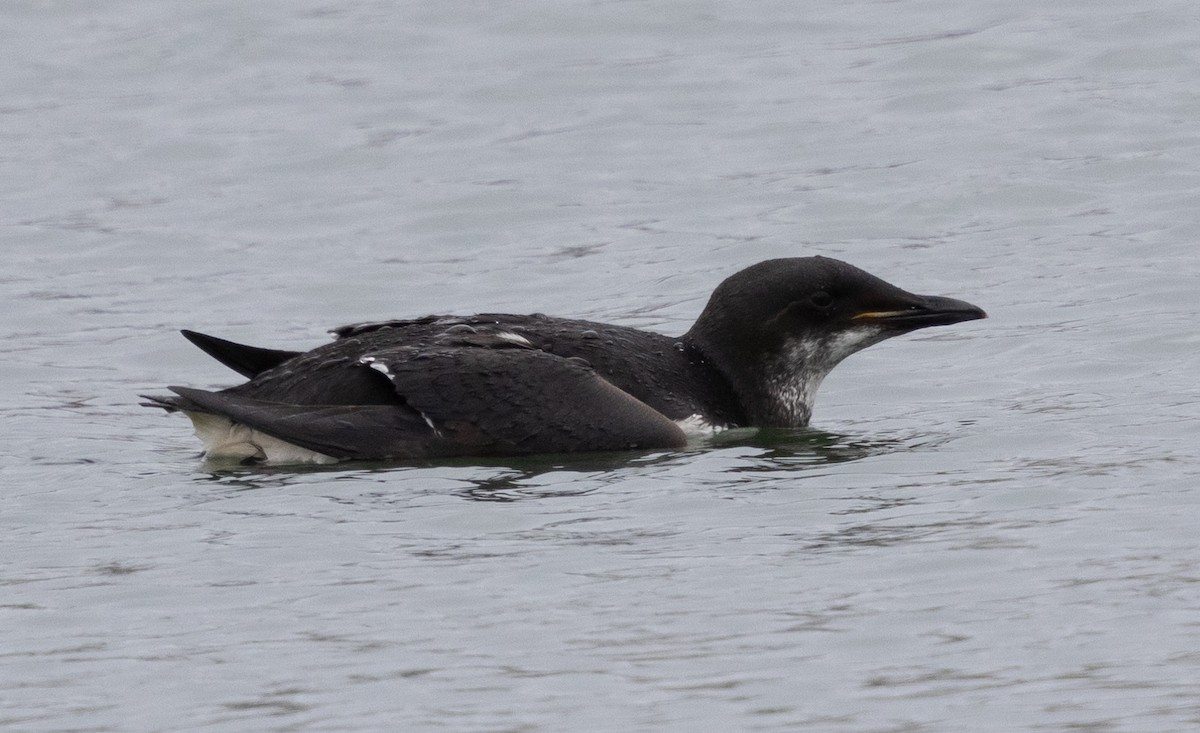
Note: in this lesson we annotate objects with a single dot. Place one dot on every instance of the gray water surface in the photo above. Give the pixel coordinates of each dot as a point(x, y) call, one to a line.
point(991, 527)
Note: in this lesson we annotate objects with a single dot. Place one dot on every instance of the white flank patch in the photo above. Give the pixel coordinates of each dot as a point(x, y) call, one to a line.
point(378, 366)
point(697, 425)
point(514, 338)
point(225, 440)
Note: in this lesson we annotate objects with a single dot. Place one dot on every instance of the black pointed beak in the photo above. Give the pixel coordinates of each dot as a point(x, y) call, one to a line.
point(923, 311)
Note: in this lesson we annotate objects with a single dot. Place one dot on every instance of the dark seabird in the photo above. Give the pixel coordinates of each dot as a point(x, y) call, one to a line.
point(497, 384)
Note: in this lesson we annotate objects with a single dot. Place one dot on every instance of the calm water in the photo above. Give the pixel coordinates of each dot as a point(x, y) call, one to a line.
point(992, 528)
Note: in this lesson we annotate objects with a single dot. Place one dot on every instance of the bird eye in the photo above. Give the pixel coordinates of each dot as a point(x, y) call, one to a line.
point(821, 299)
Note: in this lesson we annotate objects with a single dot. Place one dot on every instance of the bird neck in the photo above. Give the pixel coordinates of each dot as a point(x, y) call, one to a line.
point(772, 389)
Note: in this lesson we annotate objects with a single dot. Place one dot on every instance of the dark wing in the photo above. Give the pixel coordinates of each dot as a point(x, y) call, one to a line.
point(518, 401)
point(341, 431)
point(249, 361)
point(422, 326)
point(459, 400)
point(413, 330)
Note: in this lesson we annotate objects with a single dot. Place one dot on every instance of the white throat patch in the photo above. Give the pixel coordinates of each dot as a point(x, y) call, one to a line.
point(793, 379)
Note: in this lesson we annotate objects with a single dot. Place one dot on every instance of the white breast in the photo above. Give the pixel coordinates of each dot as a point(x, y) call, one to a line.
point(697, 425)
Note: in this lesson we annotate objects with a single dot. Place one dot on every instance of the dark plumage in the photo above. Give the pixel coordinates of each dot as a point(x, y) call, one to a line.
point(498, 384)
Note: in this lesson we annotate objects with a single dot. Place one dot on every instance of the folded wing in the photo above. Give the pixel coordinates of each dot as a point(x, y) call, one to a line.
point(457, 400)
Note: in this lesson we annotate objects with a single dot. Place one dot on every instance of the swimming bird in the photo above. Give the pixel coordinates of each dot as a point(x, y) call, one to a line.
point(499, 384)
